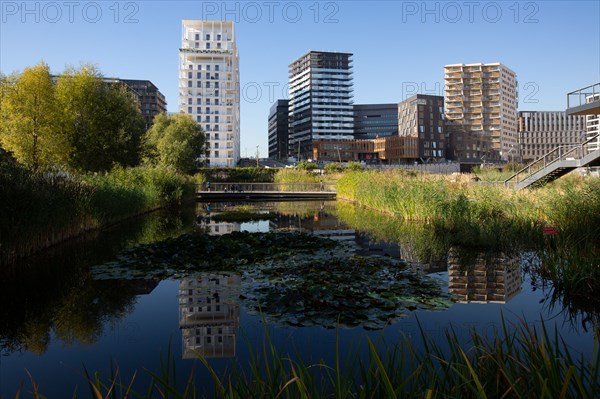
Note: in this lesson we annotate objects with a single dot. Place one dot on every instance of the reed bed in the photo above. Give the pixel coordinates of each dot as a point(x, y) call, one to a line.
point(42, 209)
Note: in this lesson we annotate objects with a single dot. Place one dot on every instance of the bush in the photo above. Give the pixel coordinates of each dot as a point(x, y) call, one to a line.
point(307, 166)
point(333, 168)
point(353, 166)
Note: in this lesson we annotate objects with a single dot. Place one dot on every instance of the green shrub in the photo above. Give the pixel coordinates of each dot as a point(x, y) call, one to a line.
point(331, 168)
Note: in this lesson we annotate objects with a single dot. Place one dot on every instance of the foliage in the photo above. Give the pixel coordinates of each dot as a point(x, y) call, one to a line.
point(102, 120)
point(237, 175)
point(307, 166)
point(331, 168)
point(44, 208)
point(79, 121)
point(29, 119)
point(175, 141)
point(296, 176)
point(353, 166)
point(293, 278)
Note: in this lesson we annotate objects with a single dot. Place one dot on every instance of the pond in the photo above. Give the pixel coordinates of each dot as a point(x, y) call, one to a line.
point(79, 307)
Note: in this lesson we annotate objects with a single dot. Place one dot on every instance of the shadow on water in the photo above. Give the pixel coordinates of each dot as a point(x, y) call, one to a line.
point(53, 293)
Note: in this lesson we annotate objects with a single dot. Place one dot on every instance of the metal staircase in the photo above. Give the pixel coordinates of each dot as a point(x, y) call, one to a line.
point(558, 162)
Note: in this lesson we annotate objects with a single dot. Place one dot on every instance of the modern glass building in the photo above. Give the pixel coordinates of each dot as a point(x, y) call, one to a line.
point(279, 130)
point(372, 121)
point(209, 86)
point(320, 100)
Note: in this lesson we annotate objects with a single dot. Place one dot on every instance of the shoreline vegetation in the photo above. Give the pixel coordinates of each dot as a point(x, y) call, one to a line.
point(43, 209)
point(518, 360)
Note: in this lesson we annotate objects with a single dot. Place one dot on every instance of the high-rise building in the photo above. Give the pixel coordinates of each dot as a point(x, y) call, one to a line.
point(209, 86)
point(279, 130)
point(542, 131)
point(422, 116)
point(320, 100)
point(481, 111)
point(375, 120)
point(152, 101)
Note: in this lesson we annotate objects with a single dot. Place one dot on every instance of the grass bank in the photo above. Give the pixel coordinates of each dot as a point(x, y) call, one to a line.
point(481, 214)
point(40, 210)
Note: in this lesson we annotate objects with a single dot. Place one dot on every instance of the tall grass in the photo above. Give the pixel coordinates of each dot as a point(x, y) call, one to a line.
point(517, 361)
point(42, 209)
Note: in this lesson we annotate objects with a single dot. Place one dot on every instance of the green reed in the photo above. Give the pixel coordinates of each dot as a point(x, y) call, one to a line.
point(40, 209)
point(517, 361)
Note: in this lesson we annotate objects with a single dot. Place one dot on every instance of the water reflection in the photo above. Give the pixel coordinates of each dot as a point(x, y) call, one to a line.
point(209, 315)
point(488, 277)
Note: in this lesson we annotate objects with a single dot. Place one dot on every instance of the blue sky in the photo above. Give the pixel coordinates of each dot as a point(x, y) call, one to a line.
point(399, 47)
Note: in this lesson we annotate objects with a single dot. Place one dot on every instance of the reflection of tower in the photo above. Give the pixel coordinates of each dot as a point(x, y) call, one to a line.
point(208, 315)
point(491, 278)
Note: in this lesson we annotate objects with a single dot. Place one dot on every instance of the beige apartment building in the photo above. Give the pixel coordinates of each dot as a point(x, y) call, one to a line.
point(481, 111)
point(542, 131)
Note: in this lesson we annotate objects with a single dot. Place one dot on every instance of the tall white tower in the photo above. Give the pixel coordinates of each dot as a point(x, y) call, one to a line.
point(209, 86)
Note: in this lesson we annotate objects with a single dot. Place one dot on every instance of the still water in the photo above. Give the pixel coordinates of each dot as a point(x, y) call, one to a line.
point(57, 320)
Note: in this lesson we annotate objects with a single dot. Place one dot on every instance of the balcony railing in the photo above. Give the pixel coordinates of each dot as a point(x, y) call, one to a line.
point(584, 101)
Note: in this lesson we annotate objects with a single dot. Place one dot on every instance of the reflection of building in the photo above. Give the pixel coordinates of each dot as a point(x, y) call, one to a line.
point(490, 278)
point(208, 316)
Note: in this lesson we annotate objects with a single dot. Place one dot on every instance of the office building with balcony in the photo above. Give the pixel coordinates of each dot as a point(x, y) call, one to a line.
point(481, 111)
point(422, 116)
point(209, 86)
point(375, 120)
point(320, 100)
point(152, 101)
point(542, 131)
point(279, 130)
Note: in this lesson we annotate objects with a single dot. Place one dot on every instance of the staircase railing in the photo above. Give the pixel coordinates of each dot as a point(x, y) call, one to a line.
point(560, 153)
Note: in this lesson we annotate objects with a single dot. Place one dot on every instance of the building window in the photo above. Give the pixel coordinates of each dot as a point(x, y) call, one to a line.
point(189, 110)
point(197, 36)
point(189, 83)
point(218, 37)
point(199, 75)
point(208, 46)
point(216, 154)
point(216, 68)
point(208, 36)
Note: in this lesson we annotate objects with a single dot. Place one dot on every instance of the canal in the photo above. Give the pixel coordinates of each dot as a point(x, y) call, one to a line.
point(63, 313)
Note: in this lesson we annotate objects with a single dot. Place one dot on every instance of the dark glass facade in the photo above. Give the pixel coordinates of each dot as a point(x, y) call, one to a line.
point(279, 130)
point(152, 101)
point(373, 121)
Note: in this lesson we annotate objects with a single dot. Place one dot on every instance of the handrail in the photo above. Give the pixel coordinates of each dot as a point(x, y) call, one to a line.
point(575, 151)
point(581, 93)
point(268, 187)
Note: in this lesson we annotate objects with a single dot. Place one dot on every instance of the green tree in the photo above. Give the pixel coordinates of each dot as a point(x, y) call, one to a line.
point(101, 118)
point(175, 141)
point(29, 119)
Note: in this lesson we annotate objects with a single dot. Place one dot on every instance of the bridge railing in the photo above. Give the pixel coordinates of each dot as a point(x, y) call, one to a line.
point(560, 153)
point(266, 187)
